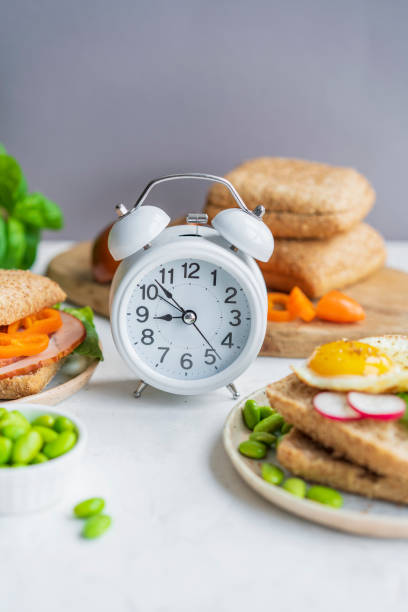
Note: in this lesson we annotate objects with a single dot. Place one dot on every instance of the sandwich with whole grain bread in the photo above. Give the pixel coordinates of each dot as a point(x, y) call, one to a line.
point(347, 405)
point(34, 336)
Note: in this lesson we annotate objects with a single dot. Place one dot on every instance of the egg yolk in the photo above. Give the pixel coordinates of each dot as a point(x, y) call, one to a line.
point(349, 357)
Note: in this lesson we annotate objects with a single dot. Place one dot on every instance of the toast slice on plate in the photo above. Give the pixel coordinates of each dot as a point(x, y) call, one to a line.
point(28, 384)
point(303, 457)
point(380, 446)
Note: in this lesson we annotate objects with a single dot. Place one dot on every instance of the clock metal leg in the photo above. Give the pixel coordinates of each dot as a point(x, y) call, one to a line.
point(139, 389)
point(233, 390)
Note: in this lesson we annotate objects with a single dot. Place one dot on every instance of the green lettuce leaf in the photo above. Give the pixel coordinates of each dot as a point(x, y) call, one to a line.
point(13, 185)
point(39, 211)
point(90, 346)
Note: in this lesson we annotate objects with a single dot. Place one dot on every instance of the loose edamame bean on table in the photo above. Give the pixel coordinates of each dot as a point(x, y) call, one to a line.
point(295, 486)
point(89, 507)
point(95, 526)
point(251, 413)
point(271, 473)
point(325, 495)
point(252, 449)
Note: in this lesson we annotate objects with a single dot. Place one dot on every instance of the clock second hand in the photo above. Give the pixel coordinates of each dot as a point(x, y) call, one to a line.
point(169, 295)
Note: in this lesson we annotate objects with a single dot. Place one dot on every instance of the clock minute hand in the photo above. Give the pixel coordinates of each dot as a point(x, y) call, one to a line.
point(207, 341)
point(169, 295)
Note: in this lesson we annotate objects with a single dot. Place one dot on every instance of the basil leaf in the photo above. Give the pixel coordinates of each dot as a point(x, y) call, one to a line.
point(16, 243)
point(3, 240)
point(39, 211)
point(2, 149)
point(32, 237)
point(13, 185)
point(90, 346)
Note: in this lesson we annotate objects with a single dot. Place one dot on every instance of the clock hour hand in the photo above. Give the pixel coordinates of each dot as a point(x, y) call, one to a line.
point(168, 317)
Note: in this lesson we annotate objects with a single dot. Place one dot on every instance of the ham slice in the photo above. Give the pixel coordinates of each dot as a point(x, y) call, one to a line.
point(62, 343)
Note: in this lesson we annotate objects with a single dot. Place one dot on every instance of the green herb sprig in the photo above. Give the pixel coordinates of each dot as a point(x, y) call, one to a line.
point(23, 216)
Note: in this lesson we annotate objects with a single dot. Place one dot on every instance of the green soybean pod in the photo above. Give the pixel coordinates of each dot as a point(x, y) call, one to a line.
point(270, 424)
point(61, 445)
point(264, 437)
point(325, 495)
point(295, 486)
point(251, 413)
point(47, 434)
point(252, 449)
point(286, 427)
point(63, 424)
point(96, 526)
point(39, 458)
point(6, 446)
point(271, 473)
point(266, 411)
point(26, 447)
point(89, 507)
point(44, 420)
point(13, 431)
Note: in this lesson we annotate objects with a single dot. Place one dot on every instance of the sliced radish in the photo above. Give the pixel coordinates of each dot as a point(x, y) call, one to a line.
point(383, 407)
point(335, 406)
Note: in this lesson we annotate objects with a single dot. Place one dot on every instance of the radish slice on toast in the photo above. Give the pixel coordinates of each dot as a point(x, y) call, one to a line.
point(335, 406)
point(385, 407)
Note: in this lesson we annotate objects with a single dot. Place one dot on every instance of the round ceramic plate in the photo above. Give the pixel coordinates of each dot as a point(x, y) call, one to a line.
point(68, 380)
point(358, 515)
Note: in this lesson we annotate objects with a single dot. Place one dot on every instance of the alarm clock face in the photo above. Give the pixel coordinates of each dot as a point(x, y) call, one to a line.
point(188, 319)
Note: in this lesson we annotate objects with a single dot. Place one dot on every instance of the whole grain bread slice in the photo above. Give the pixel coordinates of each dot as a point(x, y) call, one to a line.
point(28, 384)
point(303, 457)
point(23, 293)
point(381, 446)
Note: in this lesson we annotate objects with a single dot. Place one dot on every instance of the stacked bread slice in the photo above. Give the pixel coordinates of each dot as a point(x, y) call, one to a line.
point(315, 213)
point(366, 457)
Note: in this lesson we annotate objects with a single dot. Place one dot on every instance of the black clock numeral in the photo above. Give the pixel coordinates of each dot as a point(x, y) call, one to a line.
point(237, 318)
point(151, 292)
point(165, 350)
point(209, 357)
point(214, 275)
point(193, 267)
point(231, 293)
point(228, 340)
point(142, 314)
point(186, 362)
point(170, 273)
point(147, 336)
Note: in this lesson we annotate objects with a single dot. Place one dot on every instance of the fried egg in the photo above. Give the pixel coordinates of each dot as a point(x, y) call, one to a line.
point(375, 365)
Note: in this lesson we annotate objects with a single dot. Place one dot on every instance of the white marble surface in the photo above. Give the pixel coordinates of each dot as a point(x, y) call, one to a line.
point(188, 534)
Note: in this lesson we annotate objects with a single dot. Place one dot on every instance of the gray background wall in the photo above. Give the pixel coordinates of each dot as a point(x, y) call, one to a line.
point(97, 96)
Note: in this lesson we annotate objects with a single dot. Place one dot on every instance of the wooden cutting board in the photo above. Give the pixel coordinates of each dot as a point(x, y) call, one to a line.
point(383, 295)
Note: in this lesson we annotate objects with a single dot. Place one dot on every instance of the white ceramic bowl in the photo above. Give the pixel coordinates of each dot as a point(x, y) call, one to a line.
point(35, 487)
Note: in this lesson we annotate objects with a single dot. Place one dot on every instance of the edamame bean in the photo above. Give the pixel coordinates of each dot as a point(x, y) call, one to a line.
point(14, 418)
point(252, 449)
point(251, 413)
point(325, 495)
point(6, 446)
point(61, 445)
point(47, 434)
point(63, 424)
point(263, 436)
point(45, 420)
point(13, 431)
point(295, 486)
point(286, 427)
point(39, 458)
point(96, 526)
point(266, 411)
point(271, 473)
point(26, 447)
point(89, 507)
point(3, 412)
point(270, 424)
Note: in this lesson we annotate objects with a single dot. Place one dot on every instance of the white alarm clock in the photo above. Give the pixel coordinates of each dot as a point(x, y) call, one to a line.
point(188, 304)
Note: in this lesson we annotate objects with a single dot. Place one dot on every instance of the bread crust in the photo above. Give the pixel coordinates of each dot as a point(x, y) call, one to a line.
point(28, 384)
point(317, 266)
point(303, 199)
point(303, 457)
point(380, 446)
point(23, 293)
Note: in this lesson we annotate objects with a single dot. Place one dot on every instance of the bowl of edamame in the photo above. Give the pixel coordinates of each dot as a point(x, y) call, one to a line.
point(40, 449)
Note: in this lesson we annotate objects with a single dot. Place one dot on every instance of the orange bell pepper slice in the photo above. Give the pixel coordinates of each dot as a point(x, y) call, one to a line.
point(275, 314)
point(339, 308)
point(46, 321)
point(12, 345)
point(300, 306)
